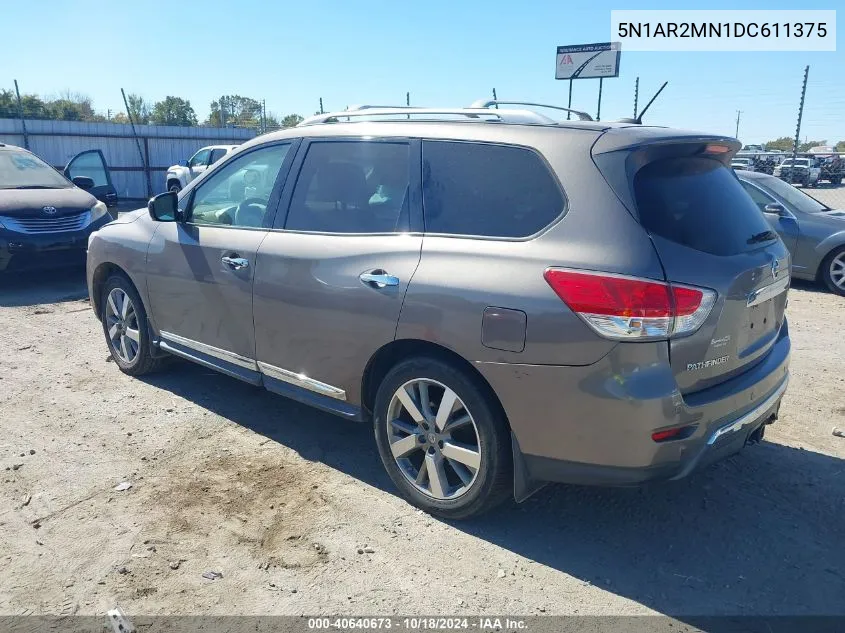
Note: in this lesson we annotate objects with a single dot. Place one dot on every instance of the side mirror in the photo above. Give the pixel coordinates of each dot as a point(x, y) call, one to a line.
point(184, 163)
point(83, 182)
point(775, 209)
point(164, 207)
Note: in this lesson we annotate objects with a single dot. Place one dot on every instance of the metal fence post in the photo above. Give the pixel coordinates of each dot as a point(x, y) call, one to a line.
point(20, 113)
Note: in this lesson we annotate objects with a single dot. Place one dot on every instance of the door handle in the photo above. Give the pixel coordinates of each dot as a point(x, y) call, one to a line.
point(235, 263)
point(379, 279)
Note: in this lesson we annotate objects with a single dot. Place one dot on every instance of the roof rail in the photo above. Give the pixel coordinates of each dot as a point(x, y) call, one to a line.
point(485, 103)
point(404, 111)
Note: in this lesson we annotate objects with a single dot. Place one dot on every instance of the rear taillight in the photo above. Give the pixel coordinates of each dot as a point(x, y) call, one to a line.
point(628, 308)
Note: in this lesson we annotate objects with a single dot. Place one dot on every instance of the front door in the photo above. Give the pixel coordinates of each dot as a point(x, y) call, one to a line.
point(783, 222)
point(92, 164)
point(198, 163)
point(200, 271)
point(331, 280)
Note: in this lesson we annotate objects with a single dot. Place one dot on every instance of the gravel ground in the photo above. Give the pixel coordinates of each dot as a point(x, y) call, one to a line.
point(292, 507)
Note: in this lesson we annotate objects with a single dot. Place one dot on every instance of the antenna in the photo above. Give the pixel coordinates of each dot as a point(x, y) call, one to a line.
point(639, 119)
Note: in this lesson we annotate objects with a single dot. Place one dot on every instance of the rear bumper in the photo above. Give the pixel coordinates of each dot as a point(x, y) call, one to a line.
point(593, 424)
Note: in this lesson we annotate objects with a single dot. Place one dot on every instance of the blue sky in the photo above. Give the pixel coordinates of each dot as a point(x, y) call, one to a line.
point(443, 52)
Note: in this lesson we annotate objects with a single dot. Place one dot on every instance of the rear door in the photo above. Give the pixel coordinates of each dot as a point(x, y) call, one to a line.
point(709, 233)
point(92, 164)
point(331, 279)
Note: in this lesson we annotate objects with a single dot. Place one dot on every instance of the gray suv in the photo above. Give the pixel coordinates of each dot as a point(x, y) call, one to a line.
point(509, 299)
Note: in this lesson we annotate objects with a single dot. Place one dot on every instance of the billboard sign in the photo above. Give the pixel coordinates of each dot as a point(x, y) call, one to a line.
point(588, 61)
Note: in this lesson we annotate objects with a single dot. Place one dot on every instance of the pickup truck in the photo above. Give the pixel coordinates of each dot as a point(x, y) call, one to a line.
point(800, 171)
point(178, 176)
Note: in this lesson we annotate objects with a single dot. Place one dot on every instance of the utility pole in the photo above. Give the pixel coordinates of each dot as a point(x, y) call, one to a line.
point(636, 95)
point(800, 114)
point(598, 112)
point(495, 98)
point(263, 116)
point(138, 144)
point(738, 113)
point(20, 114)
point(321, 106)
point(569, 114)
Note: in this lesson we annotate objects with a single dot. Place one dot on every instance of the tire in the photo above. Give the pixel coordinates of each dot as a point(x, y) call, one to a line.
point(834, 263)
point(458, 491)
point(132, 356)
point(174, 186)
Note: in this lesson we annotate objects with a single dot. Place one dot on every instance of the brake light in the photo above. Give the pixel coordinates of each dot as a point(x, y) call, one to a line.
point(627, 308)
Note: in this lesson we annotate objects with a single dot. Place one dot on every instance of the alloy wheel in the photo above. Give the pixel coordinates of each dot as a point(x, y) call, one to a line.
point(837, 270)
point(433, 439)
point(122, 325)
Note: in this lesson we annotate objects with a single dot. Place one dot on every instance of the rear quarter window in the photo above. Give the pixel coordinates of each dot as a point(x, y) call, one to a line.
point(487, 190)
point(697, 202)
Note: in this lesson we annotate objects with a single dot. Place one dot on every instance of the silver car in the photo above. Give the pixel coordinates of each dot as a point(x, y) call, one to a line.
point(508, 299)
point(813, 232)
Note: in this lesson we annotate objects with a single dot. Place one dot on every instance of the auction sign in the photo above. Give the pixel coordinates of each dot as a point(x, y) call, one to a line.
point(588, 61)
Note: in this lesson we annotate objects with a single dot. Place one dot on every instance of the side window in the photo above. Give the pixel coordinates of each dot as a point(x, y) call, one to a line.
point(759, 198)
point(488, 190)
point(352, 187)
point(200, 158)
point(217, 154)
point(238, 193)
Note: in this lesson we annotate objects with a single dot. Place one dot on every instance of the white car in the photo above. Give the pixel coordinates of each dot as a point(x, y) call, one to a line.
point(178, 176)
point(743, 163)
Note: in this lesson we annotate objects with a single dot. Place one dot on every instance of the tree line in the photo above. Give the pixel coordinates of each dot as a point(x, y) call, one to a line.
point(228, 110)
point(785, 143)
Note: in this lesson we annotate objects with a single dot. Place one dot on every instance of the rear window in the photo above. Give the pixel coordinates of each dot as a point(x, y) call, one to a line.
point(487, 190)
point(698, 202)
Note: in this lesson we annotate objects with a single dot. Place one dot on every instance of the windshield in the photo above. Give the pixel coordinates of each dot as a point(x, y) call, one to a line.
point(793, 196)
point(22, 170)
point(741, 161)
point(798, 163)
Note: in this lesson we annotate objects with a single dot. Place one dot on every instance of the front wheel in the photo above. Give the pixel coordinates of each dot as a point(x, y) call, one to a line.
point(174, 186)
point(443, 440)
point(125, 326)
point(833, 271)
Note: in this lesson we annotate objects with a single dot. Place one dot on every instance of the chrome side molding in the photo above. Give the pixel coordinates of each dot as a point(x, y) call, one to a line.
point(301, 380)
point(222, 354)
point(293, 378)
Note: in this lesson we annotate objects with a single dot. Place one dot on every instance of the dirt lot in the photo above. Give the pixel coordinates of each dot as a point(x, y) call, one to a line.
point(281, 499)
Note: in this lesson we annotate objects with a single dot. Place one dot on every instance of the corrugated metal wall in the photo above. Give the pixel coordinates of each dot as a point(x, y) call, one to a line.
point(57, 142)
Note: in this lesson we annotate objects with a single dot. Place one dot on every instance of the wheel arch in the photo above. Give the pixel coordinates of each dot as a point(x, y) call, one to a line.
point(398, 350)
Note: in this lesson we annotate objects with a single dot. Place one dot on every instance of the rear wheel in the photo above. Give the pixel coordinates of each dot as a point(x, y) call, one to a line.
point(444, 444)
point(833, 271)
point(174, 186)
point(125, 326)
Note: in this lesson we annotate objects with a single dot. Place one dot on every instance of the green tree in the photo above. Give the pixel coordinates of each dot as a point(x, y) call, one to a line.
point(784, 144)
point(235, 110)
point(803, 147)
point(292, 120)
point(139, 108)
point(840, 146)
point(173, 111)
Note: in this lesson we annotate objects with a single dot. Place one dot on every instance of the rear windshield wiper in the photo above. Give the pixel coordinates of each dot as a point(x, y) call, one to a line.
point(763, 236)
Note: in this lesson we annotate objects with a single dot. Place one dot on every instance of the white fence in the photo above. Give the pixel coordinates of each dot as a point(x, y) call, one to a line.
point(56, 142)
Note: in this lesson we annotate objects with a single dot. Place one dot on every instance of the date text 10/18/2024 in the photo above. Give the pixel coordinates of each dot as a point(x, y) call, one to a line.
point(417, 623)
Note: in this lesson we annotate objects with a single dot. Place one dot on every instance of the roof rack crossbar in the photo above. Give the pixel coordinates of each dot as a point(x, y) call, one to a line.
point(389, 111)
point(485, 103)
